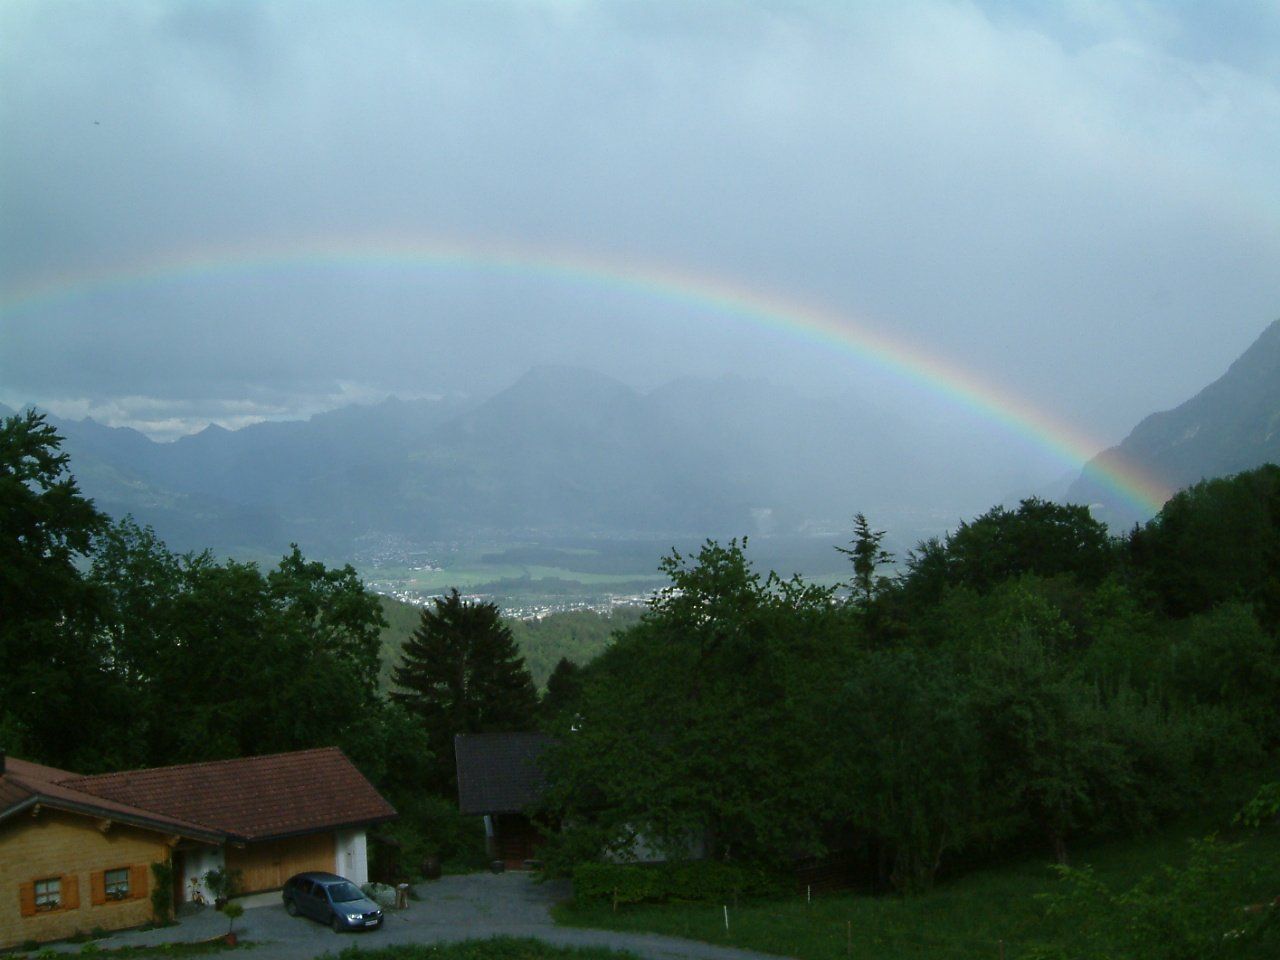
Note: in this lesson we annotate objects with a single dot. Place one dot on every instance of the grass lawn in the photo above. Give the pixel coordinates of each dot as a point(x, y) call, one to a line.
point(965, 918)
point(163, 951)
point(498, 948)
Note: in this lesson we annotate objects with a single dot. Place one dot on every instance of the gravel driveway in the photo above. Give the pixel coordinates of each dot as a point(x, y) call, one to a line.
point(475, 906)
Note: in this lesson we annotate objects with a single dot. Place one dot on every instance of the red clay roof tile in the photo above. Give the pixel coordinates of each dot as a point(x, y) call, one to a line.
point(254, 798)
point(24, 782)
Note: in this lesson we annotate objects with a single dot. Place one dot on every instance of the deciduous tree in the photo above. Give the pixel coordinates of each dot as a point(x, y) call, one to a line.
point(710, 718)
point(49, 664)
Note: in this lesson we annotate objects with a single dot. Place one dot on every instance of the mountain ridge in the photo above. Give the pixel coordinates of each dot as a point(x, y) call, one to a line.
point(1231, 425)
point(562, 452)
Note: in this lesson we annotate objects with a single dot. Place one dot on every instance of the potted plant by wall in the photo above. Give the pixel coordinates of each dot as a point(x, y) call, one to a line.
point(223, 884)
point(233, 912)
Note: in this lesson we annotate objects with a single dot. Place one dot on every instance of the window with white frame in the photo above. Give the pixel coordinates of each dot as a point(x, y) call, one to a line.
point(116, 883)
point(49, 893)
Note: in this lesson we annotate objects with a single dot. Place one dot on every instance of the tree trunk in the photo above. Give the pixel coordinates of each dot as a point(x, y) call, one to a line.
point(1059, 846)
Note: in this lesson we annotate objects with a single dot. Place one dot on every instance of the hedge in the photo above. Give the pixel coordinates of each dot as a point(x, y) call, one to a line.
point(686, 880)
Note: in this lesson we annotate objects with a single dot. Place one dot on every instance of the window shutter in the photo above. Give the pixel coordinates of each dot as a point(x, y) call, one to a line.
point(27, 899)
point(70, 891)
point(98, 888)
point(137, 881)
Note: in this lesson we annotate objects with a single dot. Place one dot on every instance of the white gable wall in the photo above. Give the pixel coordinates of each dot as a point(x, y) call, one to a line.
point(351, 856)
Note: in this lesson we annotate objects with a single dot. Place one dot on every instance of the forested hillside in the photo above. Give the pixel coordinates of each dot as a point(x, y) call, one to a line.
point(577, 636)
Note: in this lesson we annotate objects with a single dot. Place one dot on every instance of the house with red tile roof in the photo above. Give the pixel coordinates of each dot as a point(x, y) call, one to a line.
point(76, 851)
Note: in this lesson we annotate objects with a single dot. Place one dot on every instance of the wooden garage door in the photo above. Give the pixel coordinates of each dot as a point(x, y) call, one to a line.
point(266, 866)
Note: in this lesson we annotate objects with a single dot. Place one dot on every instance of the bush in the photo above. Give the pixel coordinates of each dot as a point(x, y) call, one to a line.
point(707, 880)
point(1189, 912)
point(162, 892)
point(684, 880)
point(383, 894)
point(614, 882)
point(222, 883)
point(432, 826)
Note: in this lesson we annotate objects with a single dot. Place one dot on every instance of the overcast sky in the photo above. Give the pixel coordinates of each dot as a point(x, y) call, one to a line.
point(1079, 203)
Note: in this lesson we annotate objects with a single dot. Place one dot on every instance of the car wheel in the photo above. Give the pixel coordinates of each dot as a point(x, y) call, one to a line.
point(336, 924)
point(291, 908)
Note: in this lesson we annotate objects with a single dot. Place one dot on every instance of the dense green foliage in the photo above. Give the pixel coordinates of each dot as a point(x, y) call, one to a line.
point(47, 611)
point(1215, 542)
point(705, 721)
point(1026, 684)
point(220, 660)
point(1189, 912)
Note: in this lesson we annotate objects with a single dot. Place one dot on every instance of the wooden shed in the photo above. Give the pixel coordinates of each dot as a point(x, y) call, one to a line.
point(499, 777)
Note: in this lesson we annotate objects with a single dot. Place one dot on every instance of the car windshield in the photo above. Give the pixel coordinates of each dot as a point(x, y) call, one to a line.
point(345, 892)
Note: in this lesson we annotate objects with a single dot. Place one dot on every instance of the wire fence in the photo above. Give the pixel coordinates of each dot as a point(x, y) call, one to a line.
point(818, 937)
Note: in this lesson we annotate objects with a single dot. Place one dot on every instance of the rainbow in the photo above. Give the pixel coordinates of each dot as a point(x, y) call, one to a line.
point(661, 283)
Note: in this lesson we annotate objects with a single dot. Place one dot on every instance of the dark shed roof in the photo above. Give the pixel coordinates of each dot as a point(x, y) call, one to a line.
point(499, 772)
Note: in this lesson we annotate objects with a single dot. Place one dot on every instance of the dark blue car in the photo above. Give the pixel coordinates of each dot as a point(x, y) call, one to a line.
point(330, 899)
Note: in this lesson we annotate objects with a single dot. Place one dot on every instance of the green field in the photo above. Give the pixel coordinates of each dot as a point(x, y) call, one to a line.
point(992, 913)
point(496, 948)
point(464, 577)
point(533, 575)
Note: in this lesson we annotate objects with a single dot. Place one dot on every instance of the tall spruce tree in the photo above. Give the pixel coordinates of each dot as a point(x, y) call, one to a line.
point(867, 556)
point(462, 673)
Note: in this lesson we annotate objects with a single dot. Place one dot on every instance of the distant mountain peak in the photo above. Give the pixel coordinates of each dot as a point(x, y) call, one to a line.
point(560, 373)
point(552, 382)
point(1231, 425)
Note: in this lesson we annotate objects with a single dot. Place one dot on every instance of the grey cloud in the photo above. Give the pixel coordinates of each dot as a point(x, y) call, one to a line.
point(1076, 203)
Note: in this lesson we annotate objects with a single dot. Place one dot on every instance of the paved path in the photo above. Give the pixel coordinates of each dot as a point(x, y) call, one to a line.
point(475, 906)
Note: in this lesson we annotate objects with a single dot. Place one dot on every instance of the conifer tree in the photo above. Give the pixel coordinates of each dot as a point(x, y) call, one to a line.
point(866, 555)
point(564, 686)
point(462, 673)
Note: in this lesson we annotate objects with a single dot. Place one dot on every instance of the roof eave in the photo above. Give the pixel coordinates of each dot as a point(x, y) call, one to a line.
point(328, 828)
point(18, 807)
point(90, 810)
